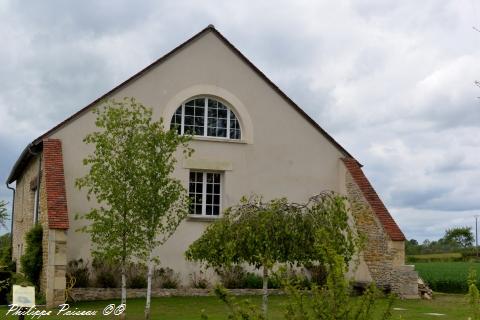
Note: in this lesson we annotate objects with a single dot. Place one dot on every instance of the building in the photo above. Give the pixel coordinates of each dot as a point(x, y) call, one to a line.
point(257, 140)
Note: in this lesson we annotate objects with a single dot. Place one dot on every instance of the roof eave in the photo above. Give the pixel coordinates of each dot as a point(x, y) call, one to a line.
point(30, 150)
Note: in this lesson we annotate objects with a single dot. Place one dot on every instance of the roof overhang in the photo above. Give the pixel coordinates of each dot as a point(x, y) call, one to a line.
point(30, 151)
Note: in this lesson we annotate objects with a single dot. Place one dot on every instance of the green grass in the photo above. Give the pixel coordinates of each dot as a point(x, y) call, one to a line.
point(446, 276)
point(187, 308)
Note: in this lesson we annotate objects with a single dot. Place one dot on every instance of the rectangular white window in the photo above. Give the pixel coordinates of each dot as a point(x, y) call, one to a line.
point(205, 193)
point(35, 206)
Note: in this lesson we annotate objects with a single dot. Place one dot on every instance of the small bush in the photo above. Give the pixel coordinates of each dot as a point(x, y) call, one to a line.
point(5, 285)
point(78, 271)
point(32, 260)
point(253, 281)
point(232, 278)
point(137, 282)
point(136, 276)
point(318, 274)
point(167, 278)
point(105, 274)
point(199, 280)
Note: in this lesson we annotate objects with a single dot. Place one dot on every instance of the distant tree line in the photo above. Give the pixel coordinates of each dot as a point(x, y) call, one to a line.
point(455, 239)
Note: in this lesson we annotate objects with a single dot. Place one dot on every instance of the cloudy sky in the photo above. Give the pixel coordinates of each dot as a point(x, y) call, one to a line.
point(392, 81)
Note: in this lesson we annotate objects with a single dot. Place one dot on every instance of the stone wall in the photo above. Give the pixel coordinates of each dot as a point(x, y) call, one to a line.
point(381, 254)
point(91, 294)
point(24, 206)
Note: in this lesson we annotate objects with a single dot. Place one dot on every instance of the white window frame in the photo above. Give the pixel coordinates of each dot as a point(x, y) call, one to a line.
point(35, 205)
point(205, 120)
point(204, 194)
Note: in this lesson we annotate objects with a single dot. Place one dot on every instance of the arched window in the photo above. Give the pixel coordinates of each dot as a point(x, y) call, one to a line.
point(207, 117)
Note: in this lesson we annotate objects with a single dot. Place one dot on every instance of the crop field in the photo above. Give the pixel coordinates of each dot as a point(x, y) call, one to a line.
point(448, 277)
point(436, 257)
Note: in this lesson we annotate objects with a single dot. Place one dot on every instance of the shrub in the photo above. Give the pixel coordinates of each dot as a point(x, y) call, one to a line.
point(5, 285)
point(79, 271)
point(167, 278)
point(137, 282)
point(233, 277)
point(32, 259)
point(136, 276)
point(105, 274)
point(199, 280)
point(253, 281)
point(318, 274)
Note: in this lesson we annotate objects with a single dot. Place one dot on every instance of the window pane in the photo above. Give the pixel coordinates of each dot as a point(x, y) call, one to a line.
point(221, 132)
point(189, 110)
point(216, 210)
point(189, 121)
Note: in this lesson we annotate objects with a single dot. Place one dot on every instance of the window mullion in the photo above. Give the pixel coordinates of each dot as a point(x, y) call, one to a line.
point(204, 193)
point(182, 124)
point(205, 118)
point(228, 123)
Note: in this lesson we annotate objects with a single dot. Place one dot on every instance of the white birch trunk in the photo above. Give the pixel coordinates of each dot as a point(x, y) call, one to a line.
point(124, 291)
point(149, 287)
point(265, 292)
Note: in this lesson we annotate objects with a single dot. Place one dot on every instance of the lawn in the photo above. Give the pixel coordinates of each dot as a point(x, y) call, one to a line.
point(446, 276)
point(186, 308)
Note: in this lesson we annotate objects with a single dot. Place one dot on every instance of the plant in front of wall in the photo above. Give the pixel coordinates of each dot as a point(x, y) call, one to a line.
point(264, 234)
point(32, 259)
point(130, 171)
point(3, 214)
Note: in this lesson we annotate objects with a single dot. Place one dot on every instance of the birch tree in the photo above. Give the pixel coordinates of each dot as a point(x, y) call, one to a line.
point(121, 178)
point(161, 200)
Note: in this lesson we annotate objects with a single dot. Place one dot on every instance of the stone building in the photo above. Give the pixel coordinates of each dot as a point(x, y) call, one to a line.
point(249, 137)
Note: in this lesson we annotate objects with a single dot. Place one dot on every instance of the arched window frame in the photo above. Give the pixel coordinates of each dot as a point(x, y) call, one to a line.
point(230, 111)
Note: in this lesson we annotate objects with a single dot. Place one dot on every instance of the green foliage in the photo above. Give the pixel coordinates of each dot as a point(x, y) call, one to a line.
point(137, 276)
point(473, 295)
point(461, 236)
point(104, 274)
point(455, 240)
point(3, 214)
point(32, 259)
point(436, 257)
point(6, 253)
point(115, 227)
point(198, 280)
point(262, 234)
point(328, 302)
point(141, 205)
point(5, 285)
point(243, 310)
point(78, 273)
point(232, 277)
point(167, 278)
point(137, 281)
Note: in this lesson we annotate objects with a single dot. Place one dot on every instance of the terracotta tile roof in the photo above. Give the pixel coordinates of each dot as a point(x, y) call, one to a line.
point(373, 199)
point(55, 184)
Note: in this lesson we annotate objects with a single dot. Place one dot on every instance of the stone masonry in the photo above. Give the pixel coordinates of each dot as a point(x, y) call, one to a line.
point(384, 250)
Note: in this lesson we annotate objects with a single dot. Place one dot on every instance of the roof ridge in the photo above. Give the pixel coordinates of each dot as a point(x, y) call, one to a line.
point(209, 28)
